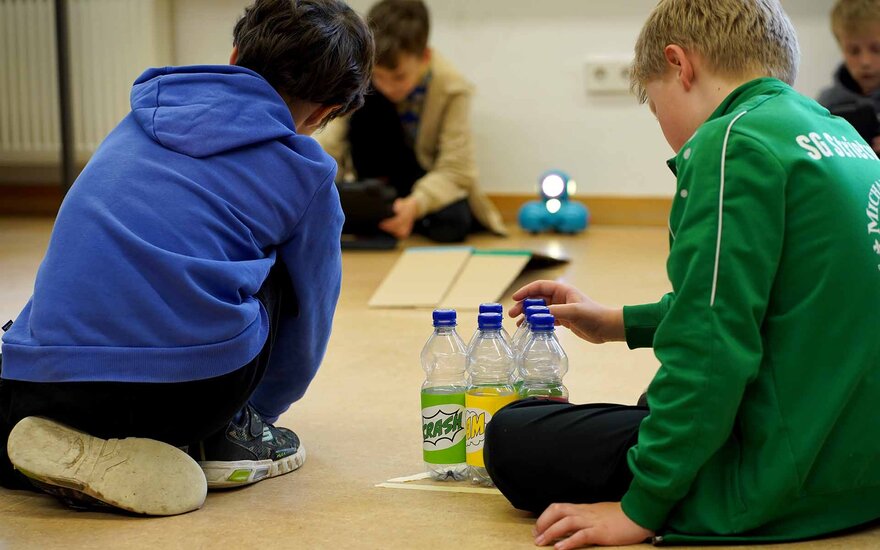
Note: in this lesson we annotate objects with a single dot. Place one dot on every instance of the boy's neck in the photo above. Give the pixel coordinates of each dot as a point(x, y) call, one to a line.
point(423, 72)
point(712, 90)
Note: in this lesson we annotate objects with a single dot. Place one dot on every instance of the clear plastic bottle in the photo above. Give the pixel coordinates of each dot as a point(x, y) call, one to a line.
point(520, 341)
point(444, 360)
point(543, 362)
point(518, 345)
point(528, 302)
point(490, 367)
point(491, 308)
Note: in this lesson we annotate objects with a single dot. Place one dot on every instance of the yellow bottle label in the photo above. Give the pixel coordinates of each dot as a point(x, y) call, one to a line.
point(480, 410)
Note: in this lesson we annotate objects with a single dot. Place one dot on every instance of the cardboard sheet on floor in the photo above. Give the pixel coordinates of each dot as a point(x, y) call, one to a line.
point(421, 277)
point(456, 277)
point(485, 277)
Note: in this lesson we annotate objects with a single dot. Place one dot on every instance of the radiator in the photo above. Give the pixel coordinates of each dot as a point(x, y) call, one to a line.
point(111, 43)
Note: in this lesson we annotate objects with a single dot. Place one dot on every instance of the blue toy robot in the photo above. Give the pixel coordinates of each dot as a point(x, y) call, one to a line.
point(555, 211)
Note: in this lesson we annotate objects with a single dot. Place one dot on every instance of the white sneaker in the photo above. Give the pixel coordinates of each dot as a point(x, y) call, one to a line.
point(139, 475)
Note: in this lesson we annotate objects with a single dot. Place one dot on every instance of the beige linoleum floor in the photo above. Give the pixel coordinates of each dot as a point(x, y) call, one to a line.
point(359, 421)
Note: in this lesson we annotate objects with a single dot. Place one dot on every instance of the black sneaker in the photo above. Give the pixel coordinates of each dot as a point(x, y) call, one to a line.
point(248, 451)
point(137, 475)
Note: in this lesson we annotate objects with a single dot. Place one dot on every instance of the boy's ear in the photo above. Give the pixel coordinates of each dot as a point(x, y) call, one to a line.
point(426, 55)
point(318, 117)
point(679, 60)
point(233, 57)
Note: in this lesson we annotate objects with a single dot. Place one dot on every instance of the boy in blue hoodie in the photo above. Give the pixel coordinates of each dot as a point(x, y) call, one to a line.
point(188, 290)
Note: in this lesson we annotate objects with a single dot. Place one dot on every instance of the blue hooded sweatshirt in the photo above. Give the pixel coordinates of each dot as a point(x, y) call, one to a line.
point(165, 237)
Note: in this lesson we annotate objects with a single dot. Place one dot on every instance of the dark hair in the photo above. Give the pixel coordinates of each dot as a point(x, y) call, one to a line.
point(400, 26)
point(319, 51)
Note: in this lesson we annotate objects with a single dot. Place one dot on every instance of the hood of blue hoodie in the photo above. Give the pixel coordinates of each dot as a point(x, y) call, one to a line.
point(204, 110)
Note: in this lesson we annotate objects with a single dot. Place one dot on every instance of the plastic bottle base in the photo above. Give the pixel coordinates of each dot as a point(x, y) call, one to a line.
point(447, 472)
point(479, 476)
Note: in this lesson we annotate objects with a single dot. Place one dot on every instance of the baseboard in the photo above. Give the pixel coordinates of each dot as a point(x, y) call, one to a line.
point(44, 200)
point(30, 199)
point(604, 210)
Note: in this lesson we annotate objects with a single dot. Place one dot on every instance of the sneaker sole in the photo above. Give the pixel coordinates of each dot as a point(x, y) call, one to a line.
point(230, 474)
point(139, 475)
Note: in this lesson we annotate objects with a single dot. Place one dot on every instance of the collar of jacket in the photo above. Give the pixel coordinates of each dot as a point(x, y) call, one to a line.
point(732, 102)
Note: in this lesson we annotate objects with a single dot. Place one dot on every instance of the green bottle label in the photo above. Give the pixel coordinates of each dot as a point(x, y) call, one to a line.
point(443, 440)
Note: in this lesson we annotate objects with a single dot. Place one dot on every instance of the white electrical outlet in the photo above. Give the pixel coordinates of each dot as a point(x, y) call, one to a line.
point(608, 74)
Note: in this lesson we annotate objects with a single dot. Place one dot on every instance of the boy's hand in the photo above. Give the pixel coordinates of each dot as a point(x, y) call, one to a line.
point(875, 143)
point(589, 320)
point(579, 525)
point(401, 224)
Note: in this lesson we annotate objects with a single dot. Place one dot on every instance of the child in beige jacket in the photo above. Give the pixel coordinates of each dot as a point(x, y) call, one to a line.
point(414, 133)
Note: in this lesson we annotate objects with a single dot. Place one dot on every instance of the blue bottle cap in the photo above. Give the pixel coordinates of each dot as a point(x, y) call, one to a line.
point(491, 308)
point(444, 317)
point(542, 322)
point(533, 302)
point(489, 321)
point(532, 310)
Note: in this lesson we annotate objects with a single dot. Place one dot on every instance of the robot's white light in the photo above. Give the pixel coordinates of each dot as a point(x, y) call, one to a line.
point(572, 187)
point(553, 205)
point(552, 186)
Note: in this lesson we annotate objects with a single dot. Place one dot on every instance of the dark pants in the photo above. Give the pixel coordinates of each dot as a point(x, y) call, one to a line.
point(177, 413)
point(539, 452)
point(379, 150)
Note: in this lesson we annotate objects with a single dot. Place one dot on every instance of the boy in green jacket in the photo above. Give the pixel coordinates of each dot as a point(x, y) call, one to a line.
point(761, 423)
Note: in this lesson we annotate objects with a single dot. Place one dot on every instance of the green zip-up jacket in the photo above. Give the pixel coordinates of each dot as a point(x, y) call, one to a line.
point(765, 411)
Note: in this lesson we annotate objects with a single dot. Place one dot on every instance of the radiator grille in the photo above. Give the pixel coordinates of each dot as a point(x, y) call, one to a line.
point(111, 43)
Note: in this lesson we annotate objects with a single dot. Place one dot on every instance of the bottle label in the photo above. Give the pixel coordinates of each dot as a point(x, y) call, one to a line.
point(443, 437)
point(480, 410)
point(554, 392)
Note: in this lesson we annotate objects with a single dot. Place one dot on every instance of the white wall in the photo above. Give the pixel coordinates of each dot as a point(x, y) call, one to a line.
point(527, 60)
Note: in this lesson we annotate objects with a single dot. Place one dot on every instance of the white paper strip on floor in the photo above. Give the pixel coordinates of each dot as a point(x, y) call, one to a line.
point(441, 488)
point(414, 477)
point(452, 487)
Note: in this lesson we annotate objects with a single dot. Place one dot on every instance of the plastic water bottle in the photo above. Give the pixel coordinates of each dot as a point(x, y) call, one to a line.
point(444, 359)
point(518, 345)
point(491, 308)
point(543, 362)
point(523, 339)
point(528, 302)
point(490, 366)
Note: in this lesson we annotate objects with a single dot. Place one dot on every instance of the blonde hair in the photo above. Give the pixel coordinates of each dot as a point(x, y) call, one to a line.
point(852, 15)
point(734, 37)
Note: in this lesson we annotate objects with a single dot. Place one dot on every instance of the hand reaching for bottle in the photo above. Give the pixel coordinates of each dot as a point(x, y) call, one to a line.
point(577, 312)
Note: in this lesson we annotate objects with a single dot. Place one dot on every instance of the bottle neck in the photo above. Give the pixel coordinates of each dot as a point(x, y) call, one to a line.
point(540, 340)
point(491, 373)
point(444, 330)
